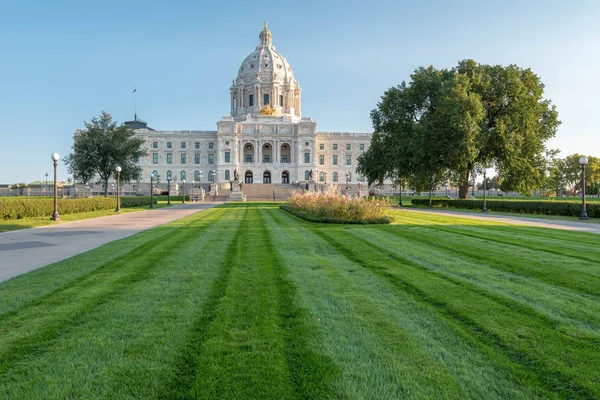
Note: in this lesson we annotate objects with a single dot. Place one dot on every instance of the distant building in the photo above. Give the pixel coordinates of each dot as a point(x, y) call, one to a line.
point(265, 138)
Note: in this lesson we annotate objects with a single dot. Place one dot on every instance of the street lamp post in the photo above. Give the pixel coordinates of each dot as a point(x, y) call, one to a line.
point(46, 188)
point(347, 180)
point(118, 169)
point(151, 190)
point(168, 190)
point(55, 217)
point(192, 196)
point(583, 161)
point(183, 186)
point(484, 208)
point(400, 201)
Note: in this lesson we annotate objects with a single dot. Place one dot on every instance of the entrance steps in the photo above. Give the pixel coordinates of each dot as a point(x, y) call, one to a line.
point(268, 191)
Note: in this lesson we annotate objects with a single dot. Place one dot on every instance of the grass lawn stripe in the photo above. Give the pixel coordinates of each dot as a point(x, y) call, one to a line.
point(124, 347)
point(30, 328)
point(388, 345)
point(575, 313)
point(242, 354)
point(521, 238)
point(583, 276)
point(23, 289)
point(565, 365)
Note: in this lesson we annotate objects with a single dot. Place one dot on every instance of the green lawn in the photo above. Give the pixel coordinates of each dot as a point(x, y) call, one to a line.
point(25, 223)
point(247, 302)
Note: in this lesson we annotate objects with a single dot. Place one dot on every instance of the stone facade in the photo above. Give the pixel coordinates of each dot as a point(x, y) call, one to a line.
point(264, 138)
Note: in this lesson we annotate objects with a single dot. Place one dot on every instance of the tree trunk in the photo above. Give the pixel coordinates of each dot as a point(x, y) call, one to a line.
point(463, 187)
point(106, 187)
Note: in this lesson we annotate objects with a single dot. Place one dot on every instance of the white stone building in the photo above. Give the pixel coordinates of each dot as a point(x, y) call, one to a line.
point(265, 138)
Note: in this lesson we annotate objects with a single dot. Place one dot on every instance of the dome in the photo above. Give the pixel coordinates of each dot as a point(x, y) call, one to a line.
point(265, 63)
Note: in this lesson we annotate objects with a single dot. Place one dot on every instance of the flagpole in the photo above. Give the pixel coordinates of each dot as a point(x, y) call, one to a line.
point(135, 102)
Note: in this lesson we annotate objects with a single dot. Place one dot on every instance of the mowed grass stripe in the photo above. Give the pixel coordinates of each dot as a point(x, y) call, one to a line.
point(126, 346)
point(20, 290)
point(569, 310)
point(386, 344)
point(565, 365)
point(31, 327)
point(588, 250)
point(583, 276)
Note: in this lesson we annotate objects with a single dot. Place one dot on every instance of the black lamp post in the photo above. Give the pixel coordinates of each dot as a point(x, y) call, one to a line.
point(183, 186)
point(347, 180)
point(583, 161)
point(118, 169)
point(151, 190)
point(169, 190)
point(46, 180)
point(484, 208)
point(55, 217)
point(400, 194)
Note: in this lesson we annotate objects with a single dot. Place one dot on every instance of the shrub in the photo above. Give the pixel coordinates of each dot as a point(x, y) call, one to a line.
point(25, 207)
point(335, 208)
point(542, 207)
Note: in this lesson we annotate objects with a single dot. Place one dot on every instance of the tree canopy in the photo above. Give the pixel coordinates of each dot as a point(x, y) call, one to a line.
point(446, 123)
point(101, 147)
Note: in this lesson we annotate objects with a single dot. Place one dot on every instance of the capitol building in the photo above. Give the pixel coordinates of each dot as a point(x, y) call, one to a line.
point(264, 140)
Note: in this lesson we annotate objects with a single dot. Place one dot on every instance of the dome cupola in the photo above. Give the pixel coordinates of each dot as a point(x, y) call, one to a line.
point(265, 84)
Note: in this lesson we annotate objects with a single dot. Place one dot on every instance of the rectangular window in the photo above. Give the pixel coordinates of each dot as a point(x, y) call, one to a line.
point(251, 100)
point(169, 158)
point(211, 145)
point(362, 146)
point(321, 146)
point(183, 145)
point(169, 145)
point(334, 160)
point(249, 158)
point(155, 145)
point(335, 146)
point(267, 158)
point(348, 159)
point(154, 158)
point(197, 145)
point(321, 159)
point(211, 158)
point(281, 100)
point(284, 158)
point(183, 158)
point(348, 147)
point(196, 158)
point(306, 158)
point(227, 156)
point(265, 99)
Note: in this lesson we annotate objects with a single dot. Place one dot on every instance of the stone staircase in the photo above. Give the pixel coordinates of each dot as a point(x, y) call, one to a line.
point(268, 191)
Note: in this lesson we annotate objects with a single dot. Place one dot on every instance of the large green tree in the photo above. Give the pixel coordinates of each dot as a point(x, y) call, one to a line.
point(450, 122)
point(101, 147)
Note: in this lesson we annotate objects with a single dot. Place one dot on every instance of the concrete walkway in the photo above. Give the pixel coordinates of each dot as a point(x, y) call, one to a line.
point(25, 250)
point(574, 225)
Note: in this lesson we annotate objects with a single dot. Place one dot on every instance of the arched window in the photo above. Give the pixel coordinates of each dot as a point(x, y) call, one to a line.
point(321, 176)
point(182, 175)
point(335, 176)
point(155, 173)
point(169, 175)
point(197, 176)
point(211, 176)
point(227, 175)
point(306, 175)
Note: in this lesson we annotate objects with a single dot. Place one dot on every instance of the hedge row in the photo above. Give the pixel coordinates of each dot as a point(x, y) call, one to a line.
point(311, 218)
point(27, 207)
point(547, 207)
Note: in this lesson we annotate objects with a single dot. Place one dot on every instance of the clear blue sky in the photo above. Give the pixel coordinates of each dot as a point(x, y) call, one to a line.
point(63, 62)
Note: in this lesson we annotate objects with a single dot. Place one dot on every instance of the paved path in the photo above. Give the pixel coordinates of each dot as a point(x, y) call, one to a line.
point(25, 250)
point(574, 225)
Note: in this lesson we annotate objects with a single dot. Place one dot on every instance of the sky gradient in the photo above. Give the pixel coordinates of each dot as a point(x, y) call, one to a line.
point(64, 62)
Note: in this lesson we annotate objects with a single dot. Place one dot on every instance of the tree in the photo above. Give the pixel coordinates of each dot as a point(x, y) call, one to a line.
point(100, 147)
point(449, 122)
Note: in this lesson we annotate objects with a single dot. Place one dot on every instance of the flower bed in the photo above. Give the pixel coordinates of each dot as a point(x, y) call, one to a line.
point(335, 208)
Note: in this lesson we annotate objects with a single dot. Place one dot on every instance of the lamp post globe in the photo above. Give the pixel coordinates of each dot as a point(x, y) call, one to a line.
point(151, 189)
point(583, 162)
point(55, 217)
point(118, 169)
point(183, 186)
